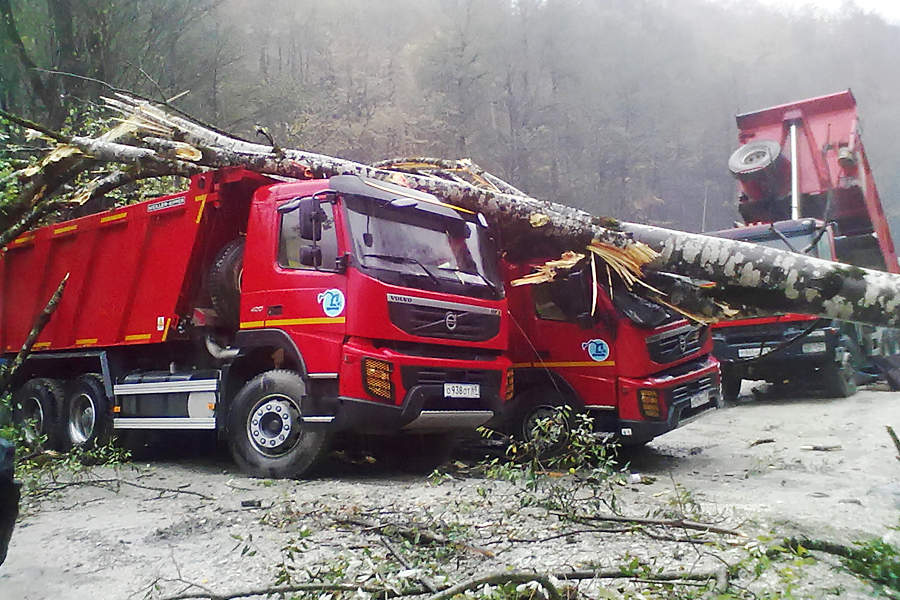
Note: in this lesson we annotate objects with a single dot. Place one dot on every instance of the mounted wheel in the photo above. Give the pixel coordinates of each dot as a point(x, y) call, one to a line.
point(541, 416)
point(838, 380)
point(225, 282)
point(266, 431)
point(87, 414)
point(731, 386)
point(37, 406)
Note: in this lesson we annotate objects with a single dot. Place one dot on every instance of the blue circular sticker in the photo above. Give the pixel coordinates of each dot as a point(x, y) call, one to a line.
point(332, 302)
point(597, 349)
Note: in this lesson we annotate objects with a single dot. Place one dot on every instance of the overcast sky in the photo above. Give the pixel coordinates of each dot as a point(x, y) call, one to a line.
point(887, 9)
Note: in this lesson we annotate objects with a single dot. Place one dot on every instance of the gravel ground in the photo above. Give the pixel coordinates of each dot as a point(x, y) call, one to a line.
point(195, 521)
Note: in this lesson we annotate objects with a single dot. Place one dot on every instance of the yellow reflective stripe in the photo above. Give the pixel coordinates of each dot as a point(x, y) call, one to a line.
point(202, 200)
point(65, 229)
point(302, 321)
point(85, 341)
point(137, 336)
point(23, 239)
point(166, 330)
point(115, 217)
point(584, 363)
point(306, 321)
point(41, 345)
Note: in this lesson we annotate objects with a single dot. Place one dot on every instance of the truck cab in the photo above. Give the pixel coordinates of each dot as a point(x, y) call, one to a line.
point(823, 354)
point(633, 366)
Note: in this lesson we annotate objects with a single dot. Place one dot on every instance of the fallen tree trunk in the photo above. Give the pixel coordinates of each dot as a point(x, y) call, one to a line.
point(750, 278)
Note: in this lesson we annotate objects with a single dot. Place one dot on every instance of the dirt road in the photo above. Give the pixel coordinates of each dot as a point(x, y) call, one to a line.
point(191, 522)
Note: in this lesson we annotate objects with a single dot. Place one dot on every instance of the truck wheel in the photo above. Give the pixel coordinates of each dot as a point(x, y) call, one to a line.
point(86, 417)
point(755, 156)
point(838, 380)
point(37, 406)
point(542, 416)
point(225, 282)
point(731, 387)
point(265, 431)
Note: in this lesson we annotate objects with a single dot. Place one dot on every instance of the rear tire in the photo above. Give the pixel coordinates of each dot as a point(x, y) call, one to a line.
point(838, 380)
point(87, 414)
point(37, 405)
point(731, 387)
point(266, 432)
point(225, 282)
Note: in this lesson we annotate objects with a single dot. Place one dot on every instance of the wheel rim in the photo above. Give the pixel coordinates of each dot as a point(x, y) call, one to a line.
point(547, 426)
point(82, 419)
point(33, 415)
point(273, 425)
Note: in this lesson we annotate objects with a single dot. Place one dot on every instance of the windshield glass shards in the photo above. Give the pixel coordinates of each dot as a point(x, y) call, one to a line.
point(426, 249)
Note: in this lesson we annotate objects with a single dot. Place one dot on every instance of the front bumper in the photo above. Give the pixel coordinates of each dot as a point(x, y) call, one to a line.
point(418, 402)
point(683, 397)
point(748, 358)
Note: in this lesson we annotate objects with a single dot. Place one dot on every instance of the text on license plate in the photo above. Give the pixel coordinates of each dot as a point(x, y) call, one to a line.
point(700, 399)
point(748, 352)
point(462, 390)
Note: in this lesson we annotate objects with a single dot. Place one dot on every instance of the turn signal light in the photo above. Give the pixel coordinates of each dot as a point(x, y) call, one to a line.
point(510, 384)
point(649, 403)
point(376, 375)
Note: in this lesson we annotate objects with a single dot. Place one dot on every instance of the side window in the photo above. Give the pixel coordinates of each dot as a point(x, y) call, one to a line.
point(544, 306)
point(290, 242)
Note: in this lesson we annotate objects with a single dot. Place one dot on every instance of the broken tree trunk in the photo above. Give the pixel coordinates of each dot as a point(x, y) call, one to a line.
point(756, 279)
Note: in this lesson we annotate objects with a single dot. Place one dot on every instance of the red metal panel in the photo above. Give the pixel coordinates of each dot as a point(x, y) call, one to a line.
point(127, 271)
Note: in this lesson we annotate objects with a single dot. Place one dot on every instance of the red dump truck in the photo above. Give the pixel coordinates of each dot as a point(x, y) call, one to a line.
point(806, 186)
point(275, 313)
point(633, 366)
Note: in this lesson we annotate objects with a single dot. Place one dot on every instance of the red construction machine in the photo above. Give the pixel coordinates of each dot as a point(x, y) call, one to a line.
point(275, 313)
point(806, 186)
point(636, 368)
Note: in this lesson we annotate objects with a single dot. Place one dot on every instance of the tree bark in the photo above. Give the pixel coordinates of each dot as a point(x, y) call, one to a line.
point(751, 278)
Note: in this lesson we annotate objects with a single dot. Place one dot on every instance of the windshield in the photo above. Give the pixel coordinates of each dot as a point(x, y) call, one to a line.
point(420, 248)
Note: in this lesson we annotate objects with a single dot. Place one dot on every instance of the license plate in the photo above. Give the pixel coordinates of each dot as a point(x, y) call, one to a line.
point(748, 352)
point(814, 347)
point(462, 390)
point(700, 399)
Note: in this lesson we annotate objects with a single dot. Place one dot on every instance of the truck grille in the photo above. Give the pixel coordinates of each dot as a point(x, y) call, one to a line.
point(435, 321)
point(671, 345)
point(693, 388)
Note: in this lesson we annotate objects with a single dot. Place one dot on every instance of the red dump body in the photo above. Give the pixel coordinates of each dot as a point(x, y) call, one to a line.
point(833, 176)
point(132, 270)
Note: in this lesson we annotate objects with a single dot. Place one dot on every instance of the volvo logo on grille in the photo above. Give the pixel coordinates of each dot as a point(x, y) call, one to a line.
point(683, 343)
point(450, 321)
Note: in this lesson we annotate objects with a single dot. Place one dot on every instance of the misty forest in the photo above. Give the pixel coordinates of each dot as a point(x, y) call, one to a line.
point(622, 108)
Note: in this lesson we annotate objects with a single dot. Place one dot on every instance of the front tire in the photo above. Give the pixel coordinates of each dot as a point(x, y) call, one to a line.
point(87, 417)
point(37, 406)
point(839, 382)
point(731, 387)
point(541, 416)
point(266, 432)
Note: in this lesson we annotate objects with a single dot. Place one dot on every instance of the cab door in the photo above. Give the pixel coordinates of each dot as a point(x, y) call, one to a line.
point(305, 298)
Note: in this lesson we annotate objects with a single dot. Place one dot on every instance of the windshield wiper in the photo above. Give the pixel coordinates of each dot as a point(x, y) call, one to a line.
point(408, 260)
point(487, 282)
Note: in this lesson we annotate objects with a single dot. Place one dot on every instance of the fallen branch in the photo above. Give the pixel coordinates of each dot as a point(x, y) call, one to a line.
point(673, 523)
point(414, 535)
point(894, 438)
point(45, 490)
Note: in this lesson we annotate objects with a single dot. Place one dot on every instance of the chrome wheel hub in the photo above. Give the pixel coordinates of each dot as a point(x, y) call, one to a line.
point(274, 425)
point(82, 418)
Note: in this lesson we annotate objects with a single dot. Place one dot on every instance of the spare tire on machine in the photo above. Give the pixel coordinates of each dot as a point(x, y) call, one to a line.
point(225, 282)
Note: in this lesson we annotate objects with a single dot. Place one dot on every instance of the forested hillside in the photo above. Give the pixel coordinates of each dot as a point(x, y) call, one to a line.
point(622, 107)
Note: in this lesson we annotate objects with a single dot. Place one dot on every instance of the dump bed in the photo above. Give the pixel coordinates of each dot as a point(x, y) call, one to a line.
point(132, 270)
point(833, 176)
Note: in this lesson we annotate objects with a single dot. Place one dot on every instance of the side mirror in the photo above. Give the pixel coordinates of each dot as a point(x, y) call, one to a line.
point(311, 256)
point(311, 217)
